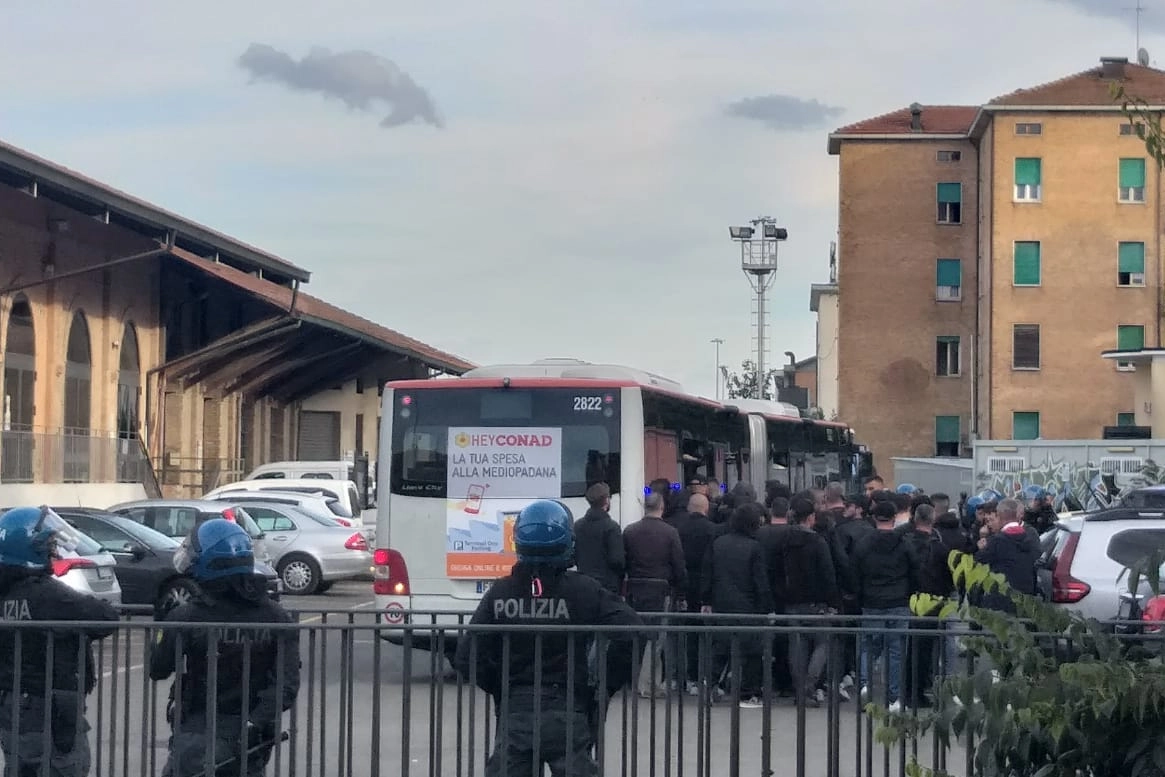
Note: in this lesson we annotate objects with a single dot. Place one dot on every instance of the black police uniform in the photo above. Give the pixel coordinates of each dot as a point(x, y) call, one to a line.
point(557, 597)
point(261, 704)
point(34, 595)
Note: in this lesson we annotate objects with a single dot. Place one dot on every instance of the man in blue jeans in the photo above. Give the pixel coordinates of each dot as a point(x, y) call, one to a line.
point(886, 569)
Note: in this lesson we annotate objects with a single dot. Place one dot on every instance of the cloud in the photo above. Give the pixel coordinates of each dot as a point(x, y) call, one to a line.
point(781, 112)
point(358, 78)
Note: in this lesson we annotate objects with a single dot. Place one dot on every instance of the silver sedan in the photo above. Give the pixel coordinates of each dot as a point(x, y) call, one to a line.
point(310, 552)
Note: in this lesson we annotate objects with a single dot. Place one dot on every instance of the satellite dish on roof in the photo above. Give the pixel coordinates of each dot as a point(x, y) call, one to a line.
point(1143, 57)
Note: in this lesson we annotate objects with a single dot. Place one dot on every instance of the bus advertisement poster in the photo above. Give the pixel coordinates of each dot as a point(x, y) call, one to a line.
point(493, 472)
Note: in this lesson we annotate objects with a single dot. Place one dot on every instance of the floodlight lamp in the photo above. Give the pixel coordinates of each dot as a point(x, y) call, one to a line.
point(773, 232)
point(741, 233)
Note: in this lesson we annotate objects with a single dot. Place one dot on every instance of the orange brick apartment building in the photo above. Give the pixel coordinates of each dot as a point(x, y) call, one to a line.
point(988, 254)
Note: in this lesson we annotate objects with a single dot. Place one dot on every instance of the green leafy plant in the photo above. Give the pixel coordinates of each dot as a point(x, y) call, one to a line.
point(1146, 121)
point(1051, 694)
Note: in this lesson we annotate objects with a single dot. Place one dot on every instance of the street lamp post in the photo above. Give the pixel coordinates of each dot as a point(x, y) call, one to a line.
point(717, 342)
point(758, 260)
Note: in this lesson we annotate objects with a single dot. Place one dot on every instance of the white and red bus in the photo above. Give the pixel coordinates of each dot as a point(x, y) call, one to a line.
point(465, 454)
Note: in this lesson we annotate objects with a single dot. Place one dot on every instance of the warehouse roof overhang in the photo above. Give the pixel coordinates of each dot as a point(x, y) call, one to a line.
point(298, 346)
point(42, 178)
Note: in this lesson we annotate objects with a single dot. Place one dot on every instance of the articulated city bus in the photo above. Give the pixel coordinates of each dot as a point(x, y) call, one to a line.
point(466, 454)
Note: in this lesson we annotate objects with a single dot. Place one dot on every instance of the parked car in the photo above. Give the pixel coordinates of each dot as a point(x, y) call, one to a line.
point(145, 557)
point(317, 504)
point(1144, 498)
point(310, 552)
point(176, 518)
point(1089, 556)
point(317, 470)
point(347, 504)
point(90, 569)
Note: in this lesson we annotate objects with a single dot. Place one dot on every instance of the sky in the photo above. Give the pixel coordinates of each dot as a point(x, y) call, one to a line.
point(519, 179)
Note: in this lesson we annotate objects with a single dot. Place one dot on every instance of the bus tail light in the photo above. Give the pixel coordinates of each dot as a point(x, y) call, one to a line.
point(390, 574)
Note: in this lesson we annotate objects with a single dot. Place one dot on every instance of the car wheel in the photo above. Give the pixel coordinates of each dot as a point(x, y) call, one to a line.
point(300, 574)
point(174, 594)
point(324, 587)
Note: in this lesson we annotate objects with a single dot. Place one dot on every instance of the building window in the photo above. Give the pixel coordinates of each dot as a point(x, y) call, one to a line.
point(360, 434)
point(1130, 264)
point(1025, 425)
point(1126, 419)
point(1129, 337)
point(1026, 263)
point(1025, 347)
point(1029, 128)
point(950, 156)
point(1027, 179)
point(946, 435)
point(949, 280)
point(1131, 181)
point(950, 203)
point(1132, 129)
point(359, 385)
point(946, 363)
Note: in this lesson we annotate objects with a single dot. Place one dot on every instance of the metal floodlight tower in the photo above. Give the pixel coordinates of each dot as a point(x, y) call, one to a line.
point(758, 260)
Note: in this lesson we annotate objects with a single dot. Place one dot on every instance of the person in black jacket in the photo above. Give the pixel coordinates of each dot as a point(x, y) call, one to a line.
point(534, 719)
point(696, 532)
point(30, 538)
point(1012, 550)
point(771, 539)
point(735, 580)
point(886, 571)
point(810, 587)
point(934, 578)
point(223, 563)
point(850, 529)
point(598, 541)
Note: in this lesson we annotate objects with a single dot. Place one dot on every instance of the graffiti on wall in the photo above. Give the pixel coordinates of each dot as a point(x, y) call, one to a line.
point(1073, 486)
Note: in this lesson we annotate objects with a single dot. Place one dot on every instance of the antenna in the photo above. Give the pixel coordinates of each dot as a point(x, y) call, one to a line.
point(1138, 9)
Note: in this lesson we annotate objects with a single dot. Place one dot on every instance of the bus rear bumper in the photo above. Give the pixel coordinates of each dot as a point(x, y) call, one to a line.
point(416, 613)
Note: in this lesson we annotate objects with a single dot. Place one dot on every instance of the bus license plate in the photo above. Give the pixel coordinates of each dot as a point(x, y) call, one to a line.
point(104, 573)
point(483, 585)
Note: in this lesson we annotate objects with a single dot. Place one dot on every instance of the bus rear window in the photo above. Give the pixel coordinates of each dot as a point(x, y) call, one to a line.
point(588, 420)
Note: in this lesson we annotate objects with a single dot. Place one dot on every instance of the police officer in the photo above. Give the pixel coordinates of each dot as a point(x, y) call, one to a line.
point(30, 537)
point(222, 562)
point(541, 590)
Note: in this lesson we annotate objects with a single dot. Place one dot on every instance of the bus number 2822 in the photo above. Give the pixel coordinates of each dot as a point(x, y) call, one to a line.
point(588, 404)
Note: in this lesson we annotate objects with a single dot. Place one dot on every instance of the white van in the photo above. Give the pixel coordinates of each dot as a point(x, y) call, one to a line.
point(315, 470)
point(347, 500)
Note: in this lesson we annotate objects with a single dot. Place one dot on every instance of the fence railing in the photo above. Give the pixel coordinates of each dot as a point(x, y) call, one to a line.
point(366, 706)
point(71, 456)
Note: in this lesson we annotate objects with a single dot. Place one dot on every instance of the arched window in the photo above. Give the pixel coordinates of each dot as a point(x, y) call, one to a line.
point(129, 383)
point(16, 407)
point(78, 400)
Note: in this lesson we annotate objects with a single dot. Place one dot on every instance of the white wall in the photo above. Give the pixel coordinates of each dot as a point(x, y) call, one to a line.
point(827, 353)
point(98, 495)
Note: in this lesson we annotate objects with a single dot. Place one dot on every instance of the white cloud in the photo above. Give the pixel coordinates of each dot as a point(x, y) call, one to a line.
point(578, 199)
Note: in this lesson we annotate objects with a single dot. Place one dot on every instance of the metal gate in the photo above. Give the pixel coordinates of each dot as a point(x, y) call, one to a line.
point(319, 436)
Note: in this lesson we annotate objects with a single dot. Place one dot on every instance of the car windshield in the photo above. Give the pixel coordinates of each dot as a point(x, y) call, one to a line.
point(151, 538)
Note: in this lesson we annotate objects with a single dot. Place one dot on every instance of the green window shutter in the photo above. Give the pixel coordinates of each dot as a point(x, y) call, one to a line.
point(1027, 171)
point(951, 192)
point(1025, 426)
point(1126, 419)
point(1027, 264)
point(1131, 257)
point(1130, 338)
point(950, 272)
point(1132, 173)
point(946, 428)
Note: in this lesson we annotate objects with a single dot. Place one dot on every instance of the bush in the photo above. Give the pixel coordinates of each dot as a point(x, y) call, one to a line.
point(1070, 699)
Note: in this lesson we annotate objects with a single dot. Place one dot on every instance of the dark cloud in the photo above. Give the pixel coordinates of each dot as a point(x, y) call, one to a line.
point(782, 112)
point(360, 79)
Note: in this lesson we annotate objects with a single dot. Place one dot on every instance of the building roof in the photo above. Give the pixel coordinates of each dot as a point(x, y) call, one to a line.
point(806, 364)
point(1092, 87)
point(315, 311)
point(817, 291)
point(938, 121)
point(43, 178)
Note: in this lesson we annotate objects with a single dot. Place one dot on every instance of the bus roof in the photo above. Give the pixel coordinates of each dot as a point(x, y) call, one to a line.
point(579, 374)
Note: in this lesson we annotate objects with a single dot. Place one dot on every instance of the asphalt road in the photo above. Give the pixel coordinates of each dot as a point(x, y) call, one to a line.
point(356, 715)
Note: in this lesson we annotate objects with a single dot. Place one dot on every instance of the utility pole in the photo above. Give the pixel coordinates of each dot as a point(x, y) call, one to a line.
point(717, 342)
point(758, 261)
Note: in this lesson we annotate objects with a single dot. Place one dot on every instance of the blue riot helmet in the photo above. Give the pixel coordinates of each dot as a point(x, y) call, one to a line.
point(990, 495)
point(30, 537)
point(972, 505)
point(221, 548)
point(1033, 493)
point(907, 488)
point(544, 533)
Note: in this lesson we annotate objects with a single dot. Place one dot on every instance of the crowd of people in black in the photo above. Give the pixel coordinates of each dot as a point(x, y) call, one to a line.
point(821, 551)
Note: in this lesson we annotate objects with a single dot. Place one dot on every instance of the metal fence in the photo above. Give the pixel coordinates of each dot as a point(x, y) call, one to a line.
point(71, 456)
point(368, 706)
